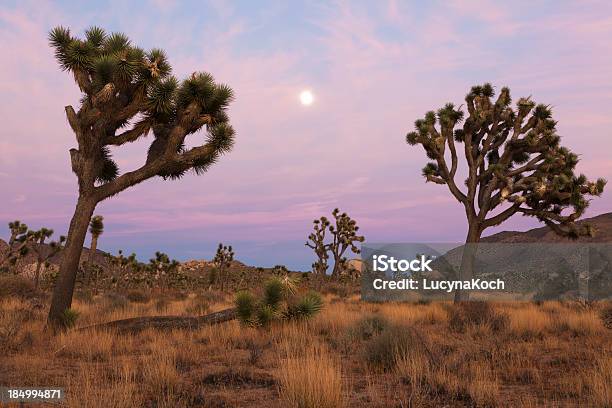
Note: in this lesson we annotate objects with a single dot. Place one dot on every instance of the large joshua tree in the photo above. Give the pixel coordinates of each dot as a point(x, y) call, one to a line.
point(515, 164)
point(128, 93)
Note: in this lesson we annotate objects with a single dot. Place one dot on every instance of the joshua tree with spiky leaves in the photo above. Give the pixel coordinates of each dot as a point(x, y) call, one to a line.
point(344, 236)
point(96, 228)
point(222, 261)
point(128, 93)
point(316, 241)
point(18, 242)
point(515, 164)
point(44, 252)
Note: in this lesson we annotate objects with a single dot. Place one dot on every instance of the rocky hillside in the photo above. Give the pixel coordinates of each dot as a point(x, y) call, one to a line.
point(602, 224)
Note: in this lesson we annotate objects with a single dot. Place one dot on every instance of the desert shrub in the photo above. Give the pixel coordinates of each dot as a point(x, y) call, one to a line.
point(180, 295)
point(17, 286)
point(369, 326)
point(114, 301)
point(161, 305)
point(606, 315)
point(336, 288)
point(476, 313)
point(394, 343)
point(211, 296)
point(84, 296)
point(138, 296)
point(279, 301)
point(197, 306)
point(311, 381)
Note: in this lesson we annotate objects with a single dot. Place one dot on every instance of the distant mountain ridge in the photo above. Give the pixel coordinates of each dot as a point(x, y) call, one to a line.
point(601, 222)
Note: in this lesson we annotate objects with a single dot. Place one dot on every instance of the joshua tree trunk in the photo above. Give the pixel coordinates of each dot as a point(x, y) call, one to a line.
point(62, 293)
point(466, 270)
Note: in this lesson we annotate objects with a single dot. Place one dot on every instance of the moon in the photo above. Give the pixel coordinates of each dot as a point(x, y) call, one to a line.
point(306, 97)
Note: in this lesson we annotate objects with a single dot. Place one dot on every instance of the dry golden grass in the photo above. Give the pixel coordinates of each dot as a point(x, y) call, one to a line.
point(311, 380)
point(352, 354)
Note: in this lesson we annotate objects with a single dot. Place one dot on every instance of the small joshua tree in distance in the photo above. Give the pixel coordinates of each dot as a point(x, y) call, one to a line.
point(316, 241)
point(515, 164)
point(44, 253)
point(344, 234)
point(127, 93)
point(96, 228)
point(18, 242)
point(222, 261)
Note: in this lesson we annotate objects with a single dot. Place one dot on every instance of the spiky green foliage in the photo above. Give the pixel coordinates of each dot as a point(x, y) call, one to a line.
point(122, 83)
point(245, 306)
point(305, 307)
point(96, 225)
point(22, 240)
point(515, 162)
point(273, 293)
point(69, 318)
point(278, 302)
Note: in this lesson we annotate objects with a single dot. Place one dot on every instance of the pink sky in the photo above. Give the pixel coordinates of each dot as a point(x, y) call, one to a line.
point(373, 72)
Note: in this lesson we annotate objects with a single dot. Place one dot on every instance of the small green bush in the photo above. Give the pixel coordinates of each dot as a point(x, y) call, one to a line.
point(69, 318)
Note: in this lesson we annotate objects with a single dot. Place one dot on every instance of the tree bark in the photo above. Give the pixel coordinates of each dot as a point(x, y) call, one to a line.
point(466, 269)
point(64, 287)
point(137, 324)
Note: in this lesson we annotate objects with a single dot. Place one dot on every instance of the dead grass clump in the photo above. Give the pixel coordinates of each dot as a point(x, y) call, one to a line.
point(138, 296)
point(14, 314)
point(161, 378)
point(311, 381)
point(598, 381)
point(483, 387)
point(197, 306)
point(584, 323)
point(162, 305)
point(529, 322)
point(17, 286)
point(114, 301)
point(369, 326)
point(606, 315)
point(395, 342)
point(211, 296)
point(88, 345)
point(122, 391)
point(476, 313)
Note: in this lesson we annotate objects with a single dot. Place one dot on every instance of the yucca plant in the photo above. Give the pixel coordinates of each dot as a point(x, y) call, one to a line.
point(514, 162)
point(279, 302)
point(128, 93)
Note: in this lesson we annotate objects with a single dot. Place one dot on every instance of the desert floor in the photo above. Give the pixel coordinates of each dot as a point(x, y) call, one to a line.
point(351, 354)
